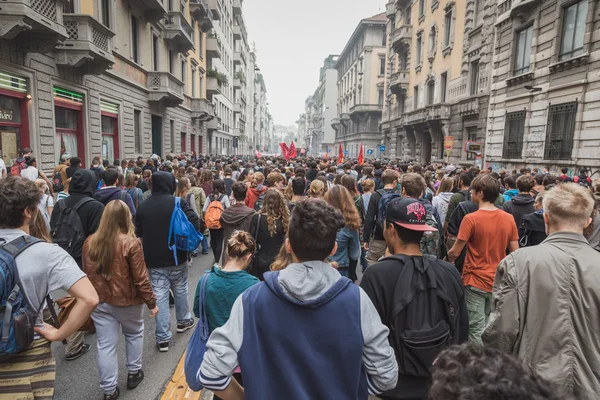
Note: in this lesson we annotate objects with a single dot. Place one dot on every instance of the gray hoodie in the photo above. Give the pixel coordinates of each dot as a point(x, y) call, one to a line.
point(440, 203)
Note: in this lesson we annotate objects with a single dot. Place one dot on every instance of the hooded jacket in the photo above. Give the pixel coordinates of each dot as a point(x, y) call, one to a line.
point(509, 194)
point(440, 204)
point(519, 206)
point(236, 217)
point(110, 193)
point(343, 352)
point(83, 184)
point(153, 219)
point(253, 194)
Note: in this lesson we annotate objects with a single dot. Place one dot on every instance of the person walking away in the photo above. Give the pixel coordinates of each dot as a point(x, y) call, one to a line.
point(226, 284)
point(111, 192)
point(316, 190)
point(46, 204)
point(183, 192)
point(442, 198)
point(275, 180)
point(215, 206)
point(207, 182)
point(532, 230)
point(132, 189)
point(298, 186)
point(539, 185)
point(238, 217)
point(521, 204)
point(70, 231)
point(75, 165)
point(558, 282)
point(463, 194)
point(60, 180)
point(488, 233)
point(510, 183)
point(19, 163)
point(114, 261)
point(42, 268)
point(309, 300)
point(256, 189)
point(269, 228)
point(368, 187)
point(416, 318)
point(228, 180)
point(97, 168)
point(32, 173)
point(152, 222)
point(200, 200)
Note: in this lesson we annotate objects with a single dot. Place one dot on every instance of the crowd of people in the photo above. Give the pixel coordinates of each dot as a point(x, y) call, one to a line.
point(329, 279)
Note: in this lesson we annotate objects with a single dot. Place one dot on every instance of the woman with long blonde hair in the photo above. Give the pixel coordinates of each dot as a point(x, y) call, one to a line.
point(183, 192)
point(114, 262)
point(269, 228)
point(347, 239)
point(316, 190)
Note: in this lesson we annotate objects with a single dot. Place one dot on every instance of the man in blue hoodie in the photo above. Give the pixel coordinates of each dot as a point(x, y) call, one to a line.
point(306, 332)
point(510, 183)
point(112, 192)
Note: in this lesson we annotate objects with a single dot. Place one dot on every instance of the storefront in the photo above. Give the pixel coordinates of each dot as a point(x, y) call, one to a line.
point(110, 130)
point(14, 122)
point(68, 119)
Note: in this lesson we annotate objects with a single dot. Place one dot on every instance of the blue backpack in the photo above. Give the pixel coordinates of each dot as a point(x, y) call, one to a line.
point(17, 314)
point(386, 199)
point(182, 234)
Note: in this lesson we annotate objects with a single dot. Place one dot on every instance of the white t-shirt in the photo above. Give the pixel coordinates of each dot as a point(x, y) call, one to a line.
point(30, 173)
point(3, 170)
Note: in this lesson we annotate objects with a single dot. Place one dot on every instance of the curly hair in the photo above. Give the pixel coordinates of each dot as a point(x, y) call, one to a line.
point(16, 195)
point(472, 372)
point(275, 207)
point(339, 197)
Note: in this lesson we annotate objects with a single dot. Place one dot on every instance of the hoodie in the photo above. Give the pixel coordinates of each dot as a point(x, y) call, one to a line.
point(343, 353)
point(236, 217)
point(110, 193)
point(509, 194)
point(440, 204)
point(519, 206)
point(253, 194)
point(153, 219)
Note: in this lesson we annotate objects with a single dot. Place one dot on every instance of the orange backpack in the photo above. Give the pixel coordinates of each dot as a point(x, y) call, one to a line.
point(213, 213)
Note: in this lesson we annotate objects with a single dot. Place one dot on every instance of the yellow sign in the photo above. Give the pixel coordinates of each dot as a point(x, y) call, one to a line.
point(448, 142)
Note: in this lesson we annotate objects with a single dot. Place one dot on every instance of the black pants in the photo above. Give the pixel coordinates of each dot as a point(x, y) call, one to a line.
point(352, 270)
point(238, 378)
point(216, 243)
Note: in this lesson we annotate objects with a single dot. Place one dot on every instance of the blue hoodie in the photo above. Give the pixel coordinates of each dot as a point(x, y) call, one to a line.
point(110, 193)
point(509, 194)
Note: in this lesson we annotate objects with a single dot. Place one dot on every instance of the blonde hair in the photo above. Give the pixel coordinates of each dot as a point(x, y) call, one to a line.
point(368, 185)
point(317, 189)
point(282, 260)
point(116, 220)
point(42, 185)
point(257, 178)
point(182, 187)
point(568, 205)
point(446, 185)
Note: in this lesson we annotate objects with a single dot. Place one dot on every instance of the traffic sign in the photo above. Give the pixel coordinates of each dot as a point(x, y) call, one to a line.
point(346, 153)
point(370, 151)
point(382, 148)
point(448, 142)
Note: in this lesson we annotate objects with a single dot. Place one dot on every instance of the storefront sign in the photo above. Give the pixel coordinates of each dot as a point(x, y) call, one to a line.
point(474, 148)
point(448, 142)
point(6, 115)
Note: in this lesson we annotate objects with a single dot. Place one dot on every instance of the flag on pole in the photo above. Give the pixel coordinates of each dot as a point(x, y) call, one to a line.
point(340, 155)
point(292, 153)
point(285, 151)
point(258, 154)
point(361, 156)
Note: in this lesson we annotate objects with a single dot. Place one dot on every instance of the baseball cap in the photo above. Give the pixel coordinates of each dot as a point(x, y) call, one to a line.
point(65, 156)
point(408, 213)
point(450, 169)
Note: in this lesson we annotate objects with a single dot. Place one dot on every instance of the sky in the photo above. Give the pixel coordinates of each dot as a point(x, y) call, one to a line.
point(292, 39)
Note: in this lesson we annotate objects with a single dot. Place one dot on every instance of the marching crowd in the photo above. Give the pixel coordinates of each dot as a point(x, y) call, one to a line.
point(475, 284)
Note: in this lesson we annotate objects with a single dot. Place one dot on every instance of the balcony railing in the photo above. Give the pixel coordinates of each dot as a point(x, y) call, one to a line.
point(237, 58)
point(212, 87)
point(154, 10)
point(214, 124)
point(88, 47)
point(237, 32)
point(399, 81)
point(363, 108)
point(212, 48)
point(164, 88)
point(402, 37)
point(213, 6)
point(469, 107)
point(179, 32)
point(390, 8)
point(202, 109)
point(237, 7)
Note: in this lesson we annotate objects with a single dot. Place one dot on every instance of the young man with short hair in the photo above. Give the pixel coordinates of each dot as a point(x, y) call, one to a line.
point(487, 233)
point(111, 192)
point(383, 281)
point(343, 352)
point(510, 183)
point(298, 190)
point(546, 299)
point(42, 268)
point(521, 204)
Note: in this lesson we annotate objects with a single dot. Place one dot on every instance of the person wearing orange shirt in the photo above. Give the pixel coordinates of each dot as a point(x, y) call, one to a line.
point(487, 233)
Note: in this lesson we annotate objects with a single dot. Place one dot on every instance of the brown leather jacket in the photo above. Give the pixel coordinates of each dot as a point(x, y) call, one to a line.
point(129, 284)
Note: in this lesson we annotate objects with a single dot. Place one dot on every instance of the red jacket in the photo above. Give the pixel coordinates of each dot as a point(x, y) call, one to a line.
point(253, 194)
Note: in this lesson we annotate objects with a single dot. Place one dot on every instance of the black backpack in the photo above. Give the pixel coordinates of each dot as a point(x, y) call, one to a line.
point(424, 319)
point(67, 231)
point(57, 183)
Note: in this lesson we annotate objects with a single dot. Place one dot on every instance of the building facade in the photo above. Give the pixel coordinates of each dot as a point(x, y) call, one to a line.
point(361, 71)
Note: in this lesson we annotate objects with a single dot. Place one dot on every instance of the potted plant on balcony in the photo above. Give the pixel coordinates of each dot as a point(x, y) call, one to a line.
point(240, 75)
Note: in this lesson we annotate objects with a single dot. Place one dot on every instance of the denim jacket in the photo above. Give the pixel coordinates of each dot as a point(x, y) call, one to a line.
point(348, 247)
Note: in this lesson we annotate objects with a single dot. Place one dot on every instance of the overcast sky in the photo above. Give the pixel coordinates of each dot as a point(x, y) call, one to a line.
point(292, 39)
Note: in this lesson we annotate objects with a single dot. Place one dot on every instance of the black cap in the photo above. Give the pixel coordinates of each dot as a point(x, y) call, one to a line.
point(408, 213)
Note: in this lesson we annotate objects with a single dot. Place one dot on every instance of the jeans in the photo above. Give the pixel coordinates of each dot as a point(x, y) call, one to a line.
point(75, 343)
point(108, 319)
point(216, 242)
point(363, 259)
point(376, 251)
point(176, 279)
point(205, 244)
point(479, 306)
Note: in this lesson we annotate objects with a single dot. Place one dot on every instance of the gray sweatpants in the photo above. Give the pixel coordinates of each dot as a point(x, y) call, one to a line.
point(108, 319)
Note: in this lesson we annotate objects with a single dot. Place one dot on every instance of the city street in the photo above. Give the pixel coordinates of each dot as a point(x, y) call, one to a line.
point(79, 379)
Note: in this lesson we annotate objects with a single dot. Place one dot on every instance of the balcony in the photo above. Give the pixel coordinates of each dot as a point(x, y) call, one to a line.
point(237, 58)
point(390, 9)
point(365, 108)
point(199, 9)
point(236, 132)
point(212, 87)
point(214, 124)
point(179, 32)
point(88, 47)
point(212, 47)
point(399, 82)
point(402, 37)
point(203, 110)
point(154, 10)
point(213, 6)
point(237, 108)
point(237, 32)
point(469, 107)
point(237, 7)
point(335, 123)
point(36, 25)
point(164, 89)
point(237, 83)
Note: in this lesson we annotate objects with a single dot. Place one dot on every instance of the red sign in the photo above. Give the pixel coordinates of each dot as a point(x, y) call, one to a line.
point(448, 142)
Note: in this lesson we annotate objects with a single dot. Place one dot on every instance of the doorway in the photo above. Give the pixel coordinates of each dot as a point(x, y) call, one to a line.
point(157, 135)
point(425, 147)
point(9, 144)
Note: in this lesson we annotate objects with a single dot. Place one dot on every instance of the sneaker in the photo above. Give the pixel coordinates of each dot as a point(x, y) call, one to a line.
point(163, 347)
point(186, 325)
point(84, 349)
point(113, 396)
point(133, 380)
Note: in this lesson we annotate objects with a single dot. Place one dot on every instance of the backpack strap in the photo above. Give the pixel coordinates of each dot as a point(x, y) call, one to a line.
point(19, 245)
point(80, 203)
point(171, 228)
point(124, 195)
point(201, 300)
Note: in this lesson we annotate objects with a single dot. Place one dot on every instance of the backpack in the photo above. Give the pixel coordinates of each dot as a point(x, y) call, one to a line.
point(17, 167)
point(431, 241)
point(182, 234)
point(57, 183)
point(423, 319)
point(18, 314)
point(386, 199)
point(68, 231)
point(212, 216)
point(124, 196)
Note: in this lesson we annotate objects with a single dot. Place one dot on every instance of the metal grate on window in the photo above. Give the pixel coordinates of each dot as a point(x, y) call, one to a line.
point(560, 131)
point(514, 129)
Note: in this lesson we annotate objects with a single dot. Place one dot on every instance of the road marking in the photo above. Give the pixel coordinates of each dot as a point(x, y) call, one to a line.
point(178, 389)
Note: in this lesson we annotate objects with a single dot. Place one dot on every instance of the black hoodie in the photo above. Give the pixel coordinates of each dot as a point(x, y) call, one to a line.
point(519, 206)
point(83, 184)
point(153, 219)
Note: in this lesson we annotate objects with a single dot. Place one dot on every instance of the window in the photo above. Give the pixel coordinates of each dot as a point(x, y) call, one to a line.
point(407, 15)
point(69, 7)
point(380, 97)
point(479, 7)
point(523, 51)
point(419, 48)
point(421, 8)
point(447, 27)
point(573, 30)
point(432, 41)
point(171, 61)
point(135, 54)
point(474, 78)
point(105, 12)
point(202, 85)
point(109, 137)
point(560, 130)
point(170, 5)
point(514, 129)
point(430, 92)
point(68, 108)
point(443, 86)
point(416, 97)
point(383, 37)
point(382, 66)
point(172, 133)
point(184, 73)
point(403, 60)
point(471, 137)
point(137, 131)
point(155, 62)
point(193, 83)
point(183, 142)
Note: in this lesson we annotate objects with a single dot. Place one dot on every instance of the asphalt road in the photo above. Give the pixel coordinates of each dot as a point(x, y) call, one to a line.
point(79, 379)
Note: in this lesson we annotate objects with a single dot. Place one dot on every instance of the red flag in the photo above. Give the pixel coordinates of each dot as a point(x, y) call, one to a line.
point(292, 153)
point(340, 155)
point(361, 156)
point(326, 155)
point(284, 150)
point(258, 154)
